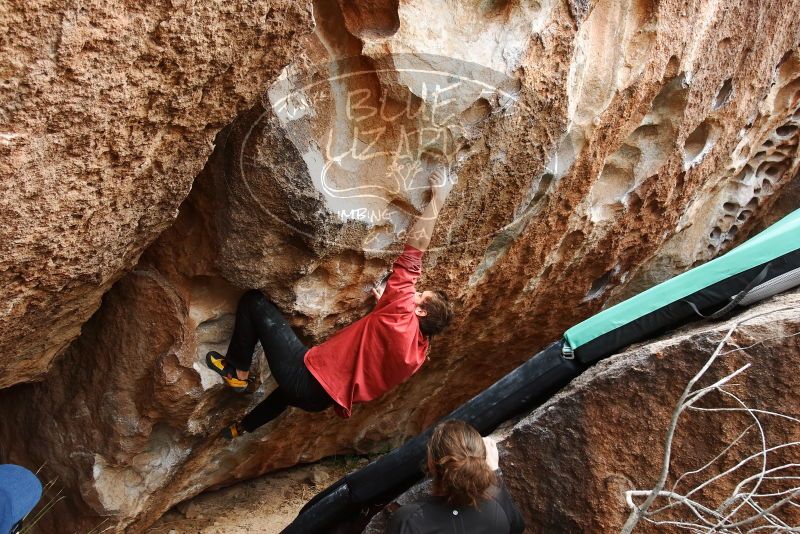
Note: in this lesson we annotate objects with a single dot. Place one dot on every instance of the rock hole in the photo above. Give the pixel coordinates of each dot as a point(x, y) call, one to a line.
point(570, 244)
point(787, 97)
point(698, 143)
point(634, 202)
point(599, 285)
point(724, 94)
point(730, 207)
point(774, 171)
point(745, 175)
point(796, 114)
point(715, 233)
point(534, 196)
point(494, 8)
point(611, 186)
point(786, 130)
point(373, 19)
point(671, 100)
point(753, 204)
point(744, 215)
point(768, 143)
point(560, 162)
point(733, 231)
point(477, 112)
point(642, 154)
point(672, 67)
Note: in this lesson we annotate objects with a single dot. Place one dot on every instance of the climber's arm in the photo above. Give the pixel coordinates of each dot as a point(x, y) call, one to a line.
point(407, 267)
point(419, 235)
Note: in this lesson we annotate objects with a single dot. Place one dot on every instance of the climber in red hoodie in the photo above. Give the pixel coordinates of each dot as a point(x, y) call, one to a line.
point(357, 364)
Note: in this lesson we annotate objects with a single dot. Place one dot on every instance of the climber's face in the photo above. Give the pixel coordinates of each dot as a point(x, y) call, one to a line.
point(419, 299)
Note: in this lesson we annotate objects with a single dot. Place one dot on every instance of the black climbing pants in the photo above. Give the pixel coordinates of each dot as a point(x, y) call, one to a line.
point(257, 319)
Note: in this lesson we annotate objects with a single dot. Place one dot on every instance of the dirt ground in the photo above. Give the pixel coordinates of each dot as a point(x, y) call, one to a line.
point(264, 505)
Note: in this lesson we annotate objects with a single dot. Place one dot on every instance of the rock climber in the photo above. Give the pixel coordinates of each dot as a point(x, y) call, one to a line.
point(357, 364)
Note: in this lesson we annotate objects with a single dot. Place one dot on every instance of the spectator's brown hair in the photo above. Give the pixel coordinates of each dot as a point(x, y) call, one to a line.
point(457, 464)
point(439, 314)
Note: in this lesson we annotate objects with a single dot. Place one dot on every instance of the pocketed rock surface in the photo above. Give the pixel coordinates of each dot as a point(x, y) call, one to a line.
point(599, 147)
point(569, 462)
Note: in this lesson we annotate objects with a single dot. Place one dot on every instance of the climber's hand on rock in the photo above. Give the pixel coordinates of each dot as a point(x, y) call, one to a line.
point(377, 292)
point(419, 234)
point(441, 183)
point(492, 456)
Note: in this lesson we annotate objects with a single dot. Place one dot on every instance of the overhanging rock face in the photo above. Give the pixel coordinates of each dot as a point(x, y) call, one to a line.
point(109, 112)
point(569, 463)
point(616, 145)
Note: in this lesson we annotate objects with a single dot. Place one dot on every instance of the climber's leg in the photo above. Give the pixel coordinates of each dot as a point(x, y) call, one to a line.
point(296, 387)
point(264, 412)
point(234, 367)
point(247, 330)
point(257, 319)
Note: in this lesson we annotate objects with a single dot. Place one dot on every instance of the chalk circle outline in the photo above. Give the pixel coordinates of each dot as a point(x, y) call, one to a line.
point(512, 99)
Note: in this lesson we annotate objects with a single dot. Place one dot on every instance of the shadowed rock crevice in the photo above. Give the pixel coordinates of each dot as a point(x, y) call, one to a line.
point(724, 95)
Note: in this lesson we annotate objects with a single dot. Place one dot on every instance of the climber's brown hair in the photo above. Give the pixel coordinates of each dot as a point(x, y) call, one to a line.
point(439, 313)
point(457, 464)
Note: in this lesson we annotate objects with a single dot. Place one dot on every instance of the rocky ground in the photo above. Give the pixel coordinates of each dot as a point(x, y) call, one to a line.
point(263, 505)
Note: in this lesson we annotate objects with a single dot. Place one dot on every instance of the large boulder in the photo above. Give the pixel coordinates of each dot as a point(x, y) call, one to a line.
point(569, 463)
point(109, 112)
point(601, 125)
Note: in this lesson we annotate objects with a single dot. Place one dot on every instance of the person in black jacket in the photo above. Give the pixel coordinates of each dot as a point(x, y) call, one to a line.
point(468, 495)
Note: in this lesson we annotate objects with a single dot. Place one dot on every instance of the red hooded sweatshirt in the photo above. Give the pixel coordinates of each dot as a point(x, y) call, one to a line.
point(379, 351)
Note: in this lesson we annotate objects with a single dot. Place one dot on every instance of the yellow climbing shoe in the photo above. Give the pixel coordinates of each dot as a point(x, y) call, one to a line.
point(216, 362)
point(232, 432)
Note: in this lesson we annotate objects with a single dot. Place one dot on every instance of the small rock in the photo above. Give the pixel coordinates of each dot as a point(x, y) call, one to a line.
point(192, 511)
point(319, 475)
point(182, 506)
